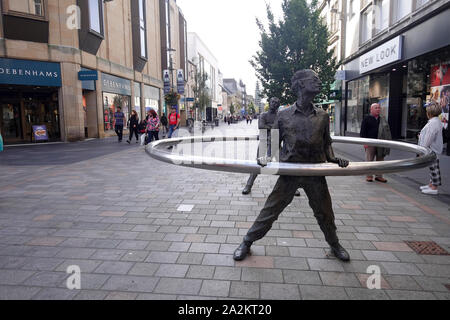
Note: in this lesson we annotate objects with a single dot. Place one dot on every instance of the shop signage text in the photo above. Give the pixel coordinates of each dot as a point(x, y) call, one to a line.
point(387, 53)
point(26, 72)
point(88, 75)
point(40, 133)
point(117, 85)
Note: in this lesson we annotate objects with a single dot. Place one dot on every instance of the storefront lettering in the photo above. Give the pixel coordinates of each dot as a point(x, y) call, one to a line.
point(383, 55)
point(34, 73)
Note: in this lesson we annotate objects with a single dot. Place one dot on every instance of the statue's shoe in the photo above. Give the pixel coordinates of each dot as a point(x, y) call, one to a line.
point(340, 252)
point(247, 190)
point(241, 252)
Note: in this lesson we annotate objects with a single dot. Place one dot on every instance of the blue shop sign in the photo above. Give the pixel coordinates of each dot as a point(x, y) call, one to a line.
point(87, 78)
point(117, 85)
point(27, 72)
point(85, 75)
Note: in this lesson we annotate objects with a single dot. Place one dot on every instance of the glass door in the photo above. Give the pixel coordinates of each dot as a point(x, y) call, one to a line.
point(10, 124)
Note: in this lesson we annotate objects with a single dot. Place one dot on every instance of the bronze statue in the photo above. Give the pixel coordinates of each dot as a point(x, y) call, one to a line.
point(266, 121)
point(304, 138)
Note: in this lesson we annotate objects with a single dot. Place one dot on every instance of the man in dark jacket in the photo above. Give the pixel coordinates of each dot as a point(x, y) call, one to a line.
point(375, 126)
point(164, 122)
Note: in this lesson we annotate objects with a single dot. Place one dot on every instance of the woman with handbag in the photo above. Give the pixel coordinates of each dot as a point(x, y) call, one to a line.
point(133, 124)
point(153, 126)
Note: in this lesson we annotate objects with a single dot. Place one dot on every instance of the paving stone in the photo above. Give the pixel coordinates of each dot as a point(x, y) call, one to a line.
point(253, 261)
point(154, 296)
point(144, 269)
point(434, 270)
point(307, 252)
point(88, 295)
point(392, 246)
point(262, 275)
point(339, 279)
point(75, 253)
point(121, 296)
point(190, 258)
point(204, 248)
point(302, 277)
point(380, 256)
point(162, 257)
point(180, 247)
point(178, 286)
point(401, 268)
point(364, 278)
point(200, 272)
point(114, 267)
point(325, 265)
point(55, 294)
point(244, 290)
point(366, 294)
point(17, 292)
point(227, 273)
point(272, 291)
point(172, 270)
point(218, 260)
point(108, 254)
point(14, 277)
point(433, 284)
point(410, 295)
point(135, 256)
point(215, 288)
point(322, 293)
point(130, 283)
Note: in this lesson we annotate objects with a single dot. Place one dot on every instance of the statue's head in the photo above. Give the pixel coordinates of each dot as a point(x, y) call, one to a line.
point(274, 104)
point(306, 81)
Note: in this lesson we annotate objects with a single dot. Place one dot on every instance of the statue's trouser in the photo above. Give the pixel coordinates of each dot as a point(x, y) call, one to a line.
point(251, 180)
point(282, 195)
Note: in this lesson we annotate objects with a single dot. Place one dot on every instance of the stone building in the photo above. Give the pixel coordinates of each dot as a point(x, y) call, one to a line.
point(68, 64)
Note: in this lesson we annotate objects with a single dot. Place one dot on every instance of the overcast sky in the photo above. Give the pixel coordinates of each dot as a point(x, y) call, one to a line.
point(228, 28)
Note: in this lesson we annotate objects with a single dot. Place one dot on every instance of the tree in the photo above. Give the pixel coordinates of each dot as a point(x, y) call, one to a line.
point(232, 110)
point(201, 92)
point(298, 41)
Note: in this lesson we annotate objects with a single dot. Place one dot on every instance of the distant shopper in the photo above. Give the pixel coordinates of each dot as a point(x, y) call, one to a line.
point(431, 137)
point(133, 124)
point(119, 117)
point(174, 122)
point(229, 119)
point(1, 143)
point(164, 123)
point(375, 126)
point(153, 126)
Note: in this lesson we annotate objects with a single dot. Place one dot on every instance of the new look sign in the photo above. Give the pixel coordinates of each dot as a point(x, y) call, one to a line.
point(27, 72)
point(387, 53)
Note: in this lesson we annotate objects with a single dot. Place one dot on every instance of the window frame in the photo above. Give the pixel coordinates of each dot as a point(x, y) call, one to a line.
point(101, 19)
point(6, 10)
point(367, 11)
point(143, 3)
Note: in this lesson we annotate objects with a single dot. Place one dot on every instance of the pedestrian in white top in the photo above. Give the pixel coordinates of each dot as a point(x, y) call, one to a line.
point(431, 137)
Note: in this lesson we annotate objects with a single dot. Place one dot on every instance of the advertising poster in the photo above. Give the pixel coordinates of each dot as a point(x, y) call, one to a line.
point(441, 95)
point(40, 133)
point(166, 79)
point(440, 75)
point(180, 81)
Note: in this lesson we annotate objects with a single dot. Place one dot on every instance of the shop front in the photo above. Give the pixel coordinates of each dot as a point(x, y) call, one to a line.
point(402, 75)
point(152, 99)
point(29, 101)
point(116, 93)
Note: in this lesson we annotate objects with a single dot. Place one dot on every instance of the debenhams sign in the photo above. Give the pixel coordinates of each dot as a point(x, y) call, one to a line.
point(387, 53)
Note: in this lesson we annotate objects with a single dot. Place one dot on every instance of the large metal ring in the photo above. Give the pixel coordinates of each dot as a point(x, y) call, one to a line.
point(159, 150)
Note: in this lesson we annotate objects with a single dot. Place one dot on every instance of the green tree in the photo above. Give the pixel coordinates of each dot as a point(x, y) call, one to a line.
point(201, 92)
point(232, 110)
point(297, 41)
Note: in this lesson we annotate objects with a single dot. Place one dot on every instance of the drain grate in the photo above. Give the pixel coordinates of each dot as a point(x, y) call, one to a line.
point(427, 247)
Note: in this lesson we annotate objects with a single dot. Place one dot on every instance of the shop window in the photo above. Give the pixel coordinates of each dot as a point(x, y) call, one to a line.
point(352, 9)
point(401, 9)
point(28, 7)
point(382, 9)
point(110, 103)
point(96, 16)
point(358, 103)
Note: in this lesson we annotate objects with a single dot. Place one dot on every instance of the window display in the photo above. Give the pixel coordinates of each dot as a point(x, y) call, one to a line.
point(110, 103)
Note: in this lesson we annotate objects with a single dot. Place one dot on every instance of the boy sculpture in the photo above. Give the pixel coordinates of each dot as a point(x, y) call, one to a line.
point(304, 138)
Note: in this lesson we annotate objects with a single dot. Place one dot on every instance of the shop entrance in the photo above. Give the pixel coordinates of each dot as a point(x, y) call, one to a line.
point(22, 107)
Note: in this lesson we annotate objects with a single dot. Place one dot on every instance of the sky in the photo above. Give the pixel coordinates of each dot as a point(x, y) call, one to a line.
point(228, 28)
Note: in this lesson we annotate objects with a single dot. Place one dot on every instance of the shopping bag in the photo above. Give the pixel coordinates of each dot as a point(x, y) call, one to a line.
point(143, 138)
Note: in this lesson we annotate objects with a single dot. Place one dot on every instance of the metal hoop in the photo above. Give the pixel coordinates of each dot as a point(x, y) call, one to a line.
point(158, 150)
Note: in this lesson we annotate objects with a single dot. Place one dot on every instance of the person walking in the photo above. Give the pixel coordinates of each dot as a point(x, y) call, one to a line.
point(164, 123)
point(375, 126)
point(304, 133)
point(153, 126)
point(431, 137)
point(133, 125)
point(174, 122)
point(119, 118)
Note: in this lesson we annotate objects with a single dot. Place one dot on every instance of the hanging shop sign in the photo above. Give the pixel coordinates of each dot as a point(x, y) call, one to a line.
point(180, 81)
point(387, 53)
point(166, 79)
point(33, 73)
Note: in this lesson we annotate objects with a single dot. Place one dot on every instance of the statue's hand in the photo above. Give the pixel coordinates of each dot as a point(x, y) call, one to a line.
point(263, 161)
point(341, 162)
